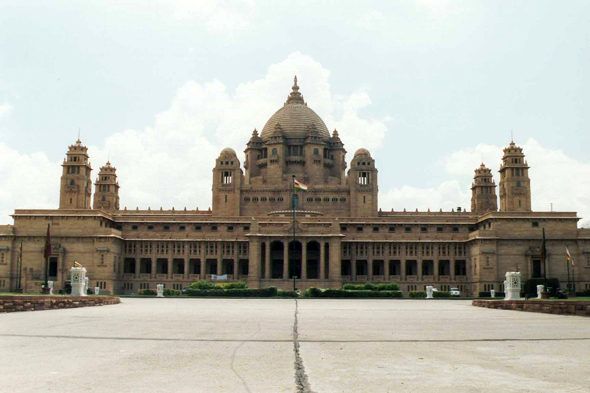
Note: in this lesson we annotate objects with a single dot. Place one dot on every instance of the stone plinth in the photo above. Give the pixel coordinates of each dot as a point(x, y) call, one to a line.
point(78, 282)
point(512, 285)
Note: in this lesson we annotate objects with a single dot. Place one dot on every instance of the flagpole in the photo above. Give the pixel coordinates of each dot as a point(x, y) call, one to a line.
point(293, 207)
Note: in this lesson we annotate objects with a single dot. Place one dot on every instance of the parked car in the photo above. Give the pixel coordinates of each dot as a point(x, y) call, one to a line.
point(455, 292)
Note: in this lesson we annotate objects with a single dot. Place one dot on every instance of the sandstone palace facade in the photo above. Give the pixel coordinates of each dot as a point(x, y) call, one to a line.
point(337, 235)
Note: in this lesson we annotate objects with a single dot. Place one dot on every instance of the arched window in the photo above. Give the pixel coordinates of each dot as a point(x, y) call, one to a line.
point(316, 152)
point(72, 182)
point(517, 184)
point(274, 151)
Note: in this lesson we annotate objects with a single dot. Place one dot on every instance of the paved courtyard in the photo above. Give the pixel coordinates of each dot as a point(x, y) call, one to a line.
point(276, 345)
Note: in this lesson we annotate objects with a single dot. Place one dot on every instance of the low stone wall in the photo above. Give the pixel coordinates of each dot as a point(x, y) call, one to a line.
point(548, 307)
point(34, 303)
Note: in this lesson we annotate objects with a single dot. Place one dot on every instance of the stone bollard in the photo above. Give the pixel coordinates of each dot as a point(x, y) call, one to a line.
point(512, 286)
point(492, 292)
point(50, 285)
point(429, 292)
point(97, 290)
point(78, 283)
point(86, 286)
point(540, 290)
point(160, 290)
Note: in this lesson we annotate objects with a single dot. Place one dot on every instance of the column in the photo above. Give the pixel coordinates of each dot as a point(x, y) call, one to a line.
point(169, 268)
point(186, 268)
point(335, 272)
point(386, 263)
point(137, 266)
point(353, 268)
point(322, 260)
point(219, 262)
point(203, 261)
point(419, 267)
point(154, 270)
point(435, 267)
point(254, 263)
point(303, 260)
point(286, 260)
point(402, 266)
point(236, 260)
point(267, 261)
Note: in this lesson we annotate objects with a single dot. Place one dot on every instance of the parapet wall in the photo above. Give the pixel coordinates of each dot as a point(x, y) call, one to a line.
point(548, 307)
point(35, 303)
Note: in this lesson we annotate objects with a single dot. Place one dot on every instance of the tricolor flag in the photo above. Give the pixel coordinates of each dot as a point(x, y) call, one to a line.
point(47, 251)
point(300, 186)
point(76, 264)
point(569, 257)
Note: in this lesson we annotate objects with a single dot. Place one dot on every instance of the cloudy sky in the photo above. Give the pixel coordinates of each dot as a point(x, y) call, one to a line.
point(430, 87)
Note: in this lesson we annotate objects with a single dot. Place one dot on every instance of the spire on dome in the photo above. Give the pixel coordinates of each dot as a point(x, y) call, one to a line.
point(295, 97)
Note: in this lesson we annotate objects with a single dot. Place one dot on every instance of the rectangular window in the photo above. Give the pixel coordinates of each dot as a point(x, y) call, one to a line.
point(246, 228)
point(166, 227)
point(535, 224)
point(213, 228)
point(197, 228)
point(150, 227)
point(423, 229)
point(230, 228)
point(455, 229)
point(408, 229)
point(375, 229)
point(134, 227)
point(439, 229)
point(343, 228)
point(391, 229)
point(359, 229)
point(182, 228)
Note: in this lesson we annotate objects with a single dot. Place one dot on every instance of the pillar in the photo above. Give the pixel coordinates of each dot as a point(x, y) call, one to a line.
point(236, 259)
point(402, 266)
point(303, 260)
point(203, 261)
point(335, 272)
point(370, 262)
point(154, 266)
point(254, 263)
point(386, 263)
point(219, 262)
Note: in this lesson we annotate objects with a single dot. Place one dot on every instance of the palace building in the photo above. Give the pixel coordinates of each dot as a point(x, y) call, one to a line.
point(336, 233)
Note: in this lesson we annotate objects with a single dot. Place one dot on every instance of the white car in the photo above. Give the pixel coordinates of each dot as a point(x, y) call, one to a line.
point(455, 292)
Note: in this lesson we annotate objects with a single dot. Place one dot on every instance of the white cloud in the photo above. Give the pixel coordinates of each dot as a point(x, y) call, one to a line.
point(5, 110)
point(169, 164)
point(372, 20)
point(26, 181)
point(555, 178)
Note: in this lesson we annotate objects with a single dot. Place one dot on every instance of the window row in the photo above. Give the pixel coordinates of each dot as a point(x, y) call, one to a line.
point(377, 229)
point(196, 228)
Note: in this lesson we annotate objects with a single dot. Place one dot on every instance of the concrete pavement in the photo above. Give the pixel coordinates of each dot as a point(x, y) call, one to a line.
point(278, 345)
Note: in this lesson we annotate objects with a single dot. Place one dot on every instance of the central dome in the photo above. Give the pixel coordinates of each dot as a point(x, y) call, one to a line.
point(295, 118)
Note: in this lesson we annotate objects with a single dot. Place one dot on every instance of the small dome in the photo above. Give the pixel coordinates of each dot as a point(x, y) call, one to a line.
point(228, 150)
point(362, 152)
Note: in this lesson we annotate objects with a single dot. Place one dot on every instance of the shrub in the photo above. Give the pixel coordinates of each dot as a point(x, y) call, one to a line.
point(232, 285)
point(342, 293)
point(530, 286)
point(281, 293)
point(371, 287)
point(441, 294)
point(485, 294)
point(146, 292)
point(234, 292)
point(417, 294)
point(583, 293)
point(312, 292)
point(201, 285)
point(172, 292)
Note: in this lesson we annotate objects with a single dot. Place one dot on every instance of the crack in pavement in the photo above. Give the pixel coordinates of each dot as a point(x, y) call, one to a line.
point(233, 358)
point(301, 380)
point(475, 340)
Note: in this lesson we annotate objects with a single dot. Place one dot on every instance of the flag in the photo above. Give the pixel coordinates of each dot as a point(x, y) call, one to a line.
point(300, 186)
point(47, 251)
point(569, 256)
point(76, 264)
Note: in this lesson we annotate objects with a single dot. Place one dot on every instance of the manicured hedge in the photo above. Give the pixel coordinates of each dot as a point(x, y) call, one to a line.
point(530, 286)
point(234, 292)
point(489, 294)
point(417, 294)
point(371, 287)
point(583, 293)
point(172, 292)
point(281, 293)
point(342, 293)
point(146, 292)
point(441, 294)
point(204, 285)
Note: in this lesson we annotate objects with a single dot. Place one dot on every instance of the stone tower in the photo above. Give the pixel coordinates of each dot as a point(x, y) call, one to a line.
point(76, 184)
point(227, 183)
point(106, 191)
point(515, 185)
point(362, 178)
point(483, 191)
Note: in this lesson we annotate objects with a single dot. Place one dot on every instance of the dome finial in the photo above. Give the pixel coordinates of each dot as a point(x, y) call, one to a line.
point(295, 97)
